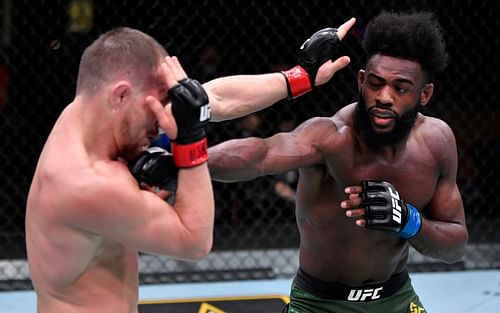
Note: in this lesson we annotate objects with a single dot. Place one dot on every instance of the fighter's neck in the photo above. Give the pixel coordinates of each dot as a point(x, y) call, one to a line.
point(387, 152)
point(95, 126)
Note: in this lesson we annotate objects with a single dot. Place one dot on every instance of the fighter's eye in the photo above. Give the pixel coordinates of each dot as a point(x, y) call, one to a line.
point(401, 90)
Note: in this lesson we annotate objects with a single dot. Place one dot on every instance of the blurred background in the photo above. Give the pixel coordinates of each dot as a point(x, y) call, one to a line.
point(255, 233)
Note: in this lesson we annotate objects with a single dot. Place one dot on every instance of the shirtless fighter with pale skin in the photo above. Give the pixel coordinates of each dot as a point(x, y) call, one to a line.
point(375, 178)
point(87, 218)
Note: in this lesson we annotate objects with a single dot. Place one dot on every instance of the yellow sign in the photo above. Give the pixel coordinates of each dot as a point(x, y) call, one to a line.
point(242, 304)
point(207, 308)
point(81, 15)
point(414, 308)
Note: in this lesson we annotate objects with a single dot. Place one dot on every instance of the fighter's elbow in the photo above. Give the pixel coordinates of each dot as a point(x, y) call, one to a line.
point(452, 258)
point(457, 253)
point(203, 249)
point(198, 247)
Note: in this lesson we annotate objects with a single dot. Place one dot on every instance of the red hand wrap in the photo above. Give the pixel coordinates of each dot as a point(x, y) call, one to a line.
point(190, 155)
point(297, 81)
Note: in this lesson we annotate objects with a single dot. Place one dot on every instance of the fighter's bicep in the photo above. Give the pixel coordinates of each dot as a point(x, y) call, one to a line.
point(446, 204)
point(288, 151)
point(156, 228)
point(314, 138)
point(136, 218)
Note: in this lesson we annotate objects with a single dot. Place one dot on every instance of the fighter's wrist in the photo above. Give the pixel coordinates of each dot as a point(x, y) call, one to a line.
point(190, 135)
point(297, 82)
point(413, 225)
point(190, 155)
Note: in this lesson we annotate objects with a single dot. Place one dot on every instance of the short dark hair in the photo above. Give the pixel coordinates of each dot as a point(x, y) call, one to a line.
point(120, 52)
point(415, 36)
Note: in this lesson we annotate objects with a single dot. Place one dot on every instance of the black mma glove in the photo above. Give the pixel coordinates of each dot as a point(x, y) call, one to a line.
point(385, 210)
point(155, 167)
point(191, 111)
point(315, 51)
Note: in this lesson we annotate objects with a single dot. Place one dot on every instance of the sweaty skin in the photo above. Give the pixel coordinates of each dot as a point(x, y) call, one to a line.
point(330, 156)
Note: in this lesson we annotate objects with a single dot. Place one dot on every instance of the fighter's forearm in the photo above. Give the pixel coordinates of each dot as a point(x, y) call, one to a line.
point(235, 96)
point(444, 241)
point(195, 207)
point(236, 160)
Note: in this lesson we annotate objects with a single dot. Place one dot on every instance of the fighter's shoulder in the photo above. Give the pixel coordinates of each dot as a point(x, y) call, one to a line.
point(316, 130)
point(99, 188)
point(437, 135)
point(103, 180)
point(344, 116)
point(113, 173)
point(318, 123)
point(434, 128)
point(341, 119)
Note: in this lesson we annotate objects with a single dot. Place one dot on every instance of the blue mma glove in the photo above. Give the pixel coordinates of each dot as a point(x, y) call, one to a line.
point(161, 141)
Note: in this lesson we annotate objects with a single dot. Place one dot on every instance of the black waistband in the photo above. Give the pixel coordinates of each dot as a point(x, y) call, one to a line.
point(337, 291)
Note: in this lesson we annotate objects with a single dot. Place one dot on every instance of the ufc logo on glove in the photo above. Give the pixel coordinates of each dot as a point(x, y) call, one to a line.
point(205, 113)
point(385, 210)
point(396, 212)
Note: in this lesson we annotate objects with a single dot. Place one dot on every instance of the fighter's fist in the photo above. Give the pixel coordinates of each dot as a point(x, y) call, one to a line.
point(155, 167)
point(191, 111)
point(318, 49)
point(381, 207)
point(315, 58)
point(184, 120)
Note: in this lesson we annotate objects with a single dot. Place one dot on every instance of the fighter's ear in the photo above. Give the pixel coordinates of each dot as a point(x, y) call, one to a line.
point(361, 78)
point(120, 94)
point(426, 93)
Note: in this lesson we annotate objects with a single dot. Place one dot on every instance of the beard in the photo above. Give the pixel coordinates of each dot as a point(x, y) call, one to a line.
point(131, 147)
point(402, 127)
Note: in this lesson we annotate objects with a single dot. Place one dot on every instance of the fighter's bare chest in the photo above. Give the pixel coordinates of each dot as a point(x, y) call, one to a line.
point(414, 175)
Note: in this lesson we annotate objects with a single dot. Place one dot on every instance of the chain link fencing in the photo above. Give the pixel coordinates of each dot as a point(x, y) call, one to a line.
point(255, 231)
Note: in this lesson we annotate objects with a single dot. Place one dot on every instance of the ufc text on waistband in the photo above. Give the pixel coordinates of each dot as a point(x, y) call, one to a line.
point(337, 291)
